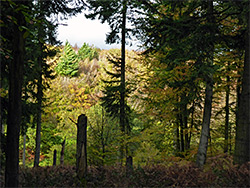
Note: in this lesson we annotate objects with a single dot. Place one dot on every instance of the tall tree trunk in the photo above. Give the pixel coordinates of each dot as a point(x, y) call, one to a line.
point(39, 95)
point(181, 133)
point(14, 108)
point(185, 122)
point(38, 124)
point(54, 157)
point(62, 152)
point(242, 145)
point(39, 112)
point(123, 51)
point(178, 149)
point(102, 138)
point(226, 132)
point(238, 92)
point(191, 124)
point(24, 149)
point(205, 132)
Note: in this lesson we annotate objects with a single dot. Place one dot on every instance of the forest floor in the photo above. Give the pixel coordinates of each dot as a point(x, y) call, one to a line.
point(218, 173)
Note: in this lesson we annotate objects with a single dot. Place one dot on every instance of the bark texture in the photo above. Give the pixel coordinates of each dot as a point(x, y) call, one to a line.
point(205, 132)
point(81, 150)
point(242, 145)
point(226, 132)
point(39, 95)
point(14, 108)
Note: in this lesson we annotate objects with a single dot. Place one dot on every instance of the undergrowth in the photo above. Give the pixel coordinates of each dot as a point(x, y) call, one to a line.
point(219, 172)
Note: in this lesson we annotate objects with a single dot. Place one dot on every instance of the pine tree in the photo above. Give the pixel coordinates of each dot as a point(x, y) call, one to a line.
point(16, 69)
point(87, 51)
point(116, 14)
point(68, 63)
point(112, 102)
point(20, 32)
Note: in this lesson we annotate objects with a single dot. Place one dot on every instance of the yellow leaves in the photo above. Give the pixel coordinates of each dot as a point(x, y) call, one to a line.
point(3, 92)
point(71, 91)
point(78, 96)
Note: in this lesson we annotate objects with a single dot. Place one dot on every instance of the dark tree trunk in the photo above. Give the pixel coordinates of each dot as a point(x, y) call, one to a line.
point(242, 145)
point(129, 165)
point(122, 94)
point(226, 133)
point(191, 124)
point(62, 152)
point(38, 123)
point(238, 91)
point(185, 123)
point(178, 149)
point(39, 94)
point(14, 108)
point(81, 150)
point(54, 157)
point(181, 134)
point(24, 149)
point(205, 132)
point(102, 138)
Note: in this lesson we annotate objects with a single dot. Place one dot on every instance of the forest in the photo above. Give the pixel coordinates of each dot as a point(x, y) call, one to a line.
point(173, 113)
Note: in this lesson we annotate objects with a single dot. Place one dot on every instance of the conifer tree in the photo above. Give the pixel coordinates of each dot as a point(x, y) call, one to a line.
point(68, 63)
point(87, 51)
point(116, 14)
point(20, 32)
point(15, 92)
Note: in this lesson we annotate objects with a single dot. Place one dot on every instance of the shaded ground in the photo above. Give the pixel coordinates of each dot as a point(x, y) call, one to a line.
point(219, 173)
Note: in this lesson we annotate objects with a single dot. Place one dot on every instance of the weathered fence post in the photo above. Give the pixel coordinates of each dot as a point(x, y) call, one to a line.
point(81, 150)
point(54, 158)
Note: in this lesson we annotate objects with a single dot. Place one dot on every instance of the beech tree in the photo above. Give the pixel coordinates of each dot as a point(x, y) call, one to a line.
point(193, 30)
point(184, 31)
point(205, 132)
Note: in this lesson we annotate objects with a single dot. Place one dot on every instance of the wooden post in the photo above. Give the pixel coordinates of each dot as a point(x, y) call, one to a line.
point(54, 158)
point(81, 150)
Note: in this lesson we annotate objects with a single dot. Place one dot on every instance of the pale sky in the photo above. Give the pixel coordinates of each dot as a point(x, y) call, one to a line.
point(80, 30)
